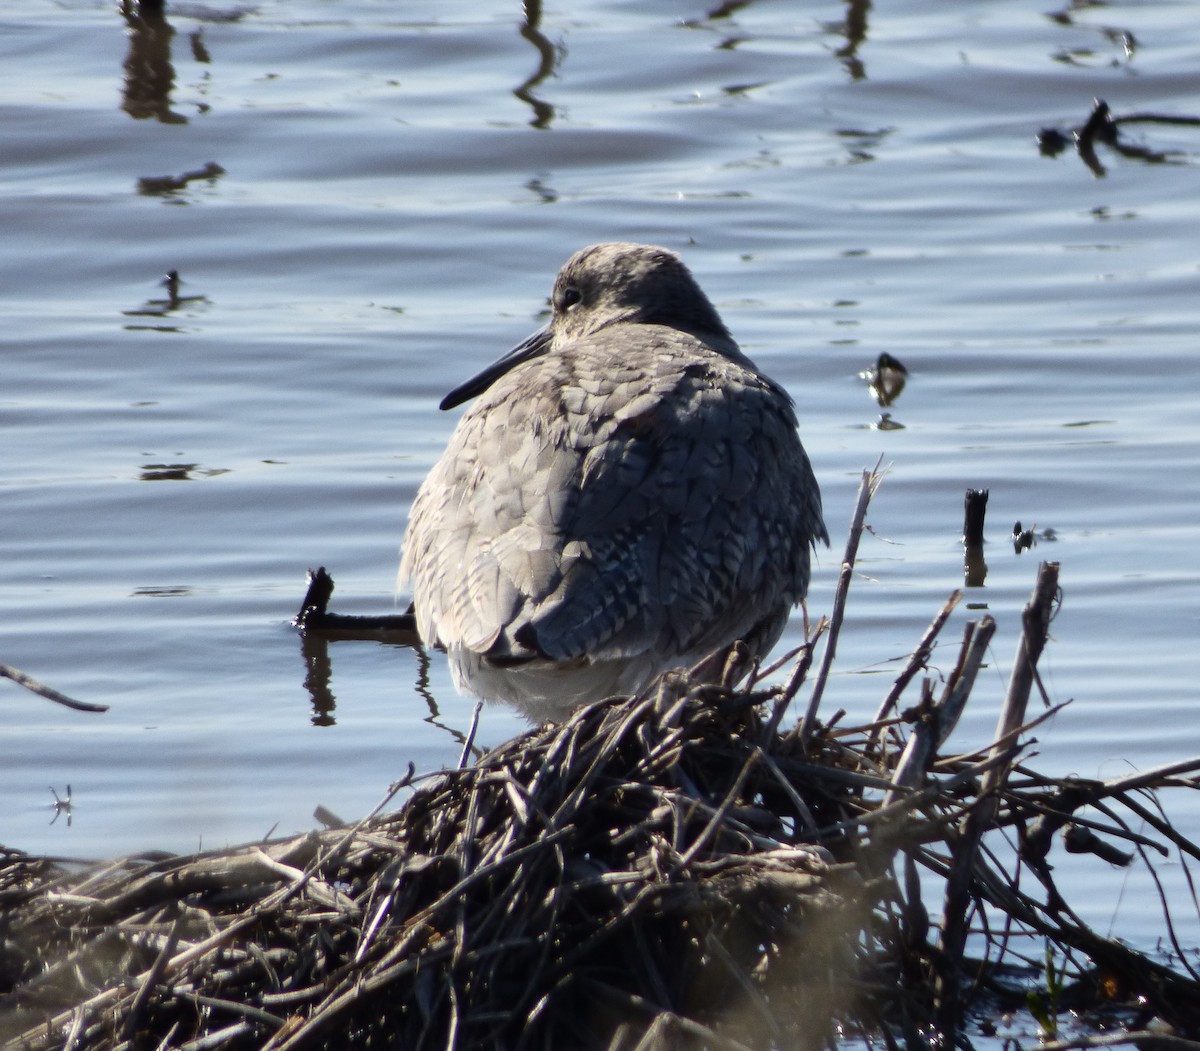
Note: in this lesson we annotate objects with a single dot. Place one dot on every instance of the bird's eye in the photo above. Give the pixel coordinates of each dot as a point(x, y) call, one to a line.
point(568, 298)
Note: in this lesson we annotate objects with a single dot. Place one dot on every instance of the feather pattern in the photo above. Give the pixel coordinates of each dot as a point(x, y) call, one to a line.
point(627, 493)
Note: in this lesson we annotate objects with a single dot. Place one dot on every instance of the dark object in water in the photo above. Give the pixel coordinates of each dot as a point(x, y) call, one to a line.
point(1023, 539)
point(1102, 127)
point(886, 379)
point(314, 615)
point(974, 512)
point(161, 185)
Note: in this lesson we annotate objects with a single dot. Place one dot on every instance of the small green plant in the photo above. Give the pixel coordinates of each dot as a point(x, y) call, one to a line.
point(1044, 1003)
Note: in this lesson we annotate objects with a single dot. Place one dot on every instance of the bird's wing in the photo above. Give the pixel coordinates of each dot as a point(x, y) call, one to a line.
point(697, 506)
point(603, 506)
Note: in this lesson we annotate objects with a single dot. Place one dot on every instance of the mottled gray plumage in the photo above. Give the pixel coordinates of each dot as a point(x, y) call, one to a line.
point(628, 493)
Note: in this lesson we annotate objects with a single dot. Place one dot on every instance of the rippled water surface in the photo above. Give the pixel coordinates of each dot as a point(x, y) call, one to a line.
point(367, 201)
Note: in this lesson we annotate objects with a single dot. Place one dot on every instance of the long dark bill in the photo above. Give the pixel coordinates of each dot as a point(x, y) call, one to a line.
point(535, 346)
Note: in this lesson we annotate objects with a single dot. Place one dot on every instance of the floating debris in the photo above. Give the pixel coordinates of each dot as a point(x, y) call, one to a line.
point(1102, 127)
point(974, 512)
point(886, 379)
point(165, 185)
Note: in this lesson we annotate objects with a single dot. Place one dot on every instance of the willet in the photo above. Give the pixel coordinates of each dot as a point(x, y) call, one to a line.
point(627, 494)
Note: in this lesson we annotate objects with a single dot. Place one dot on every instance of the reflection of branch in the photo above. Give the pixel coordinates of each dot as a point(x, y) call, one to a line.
point(1102, 127)
point(149, 74)
point(727, 9)
point(173, 302)
point(318, 627)
point(855, 28)
point(318, 675)
point(543, 112)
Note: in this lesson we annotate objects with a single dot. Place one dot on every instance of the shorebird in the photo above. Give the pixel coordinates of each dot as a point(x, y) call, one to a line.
point(627, 494)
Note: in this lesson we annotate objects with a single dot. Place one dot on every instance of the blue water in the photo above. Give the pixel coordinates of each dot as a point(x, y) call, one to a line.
point(395, 199)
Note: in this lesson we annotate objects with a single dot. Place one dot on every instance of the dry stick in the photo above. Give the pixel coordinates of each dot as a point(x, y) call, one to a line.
point(1072, 795)
point(653, 1036)
point(1162, 827)
point(1036, 629)
point(249, 1011)
point(935, 726)
point(918, 661)
point(395, 961)
point(74, 1032)
point(962, 680)
point(795, 679)
point(466, 748)
point(211, 1041)
point(916, 799)
point(871, 480)
point(1149, 778)
point(7, 671)
point(1157, 981)
point(803, 813)
point(1145, 1039)
point(765, 673)
point(108, 998)
point(152, 977)
point(719, 814)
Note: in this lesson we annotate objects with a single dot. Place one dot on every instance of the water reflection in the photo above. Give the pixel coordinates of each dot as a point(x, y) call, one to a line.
point(318, 628)
point(1123, 38)
point(548, 55)
point(1103, 128)
point(161, 308)
point(854, 29)
point(861, 143)
point(61, 805)
point(167, 185)
point(546, 193)
point(318, 680)
point(178, 472)
point(149, 71)
point(149, 74)
point(725, 10)
point(199, 51)
point(886, 380)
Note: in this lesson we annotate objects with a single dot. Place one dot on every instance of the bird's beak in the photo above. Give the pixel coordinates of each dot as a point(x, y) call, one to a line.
point(534, 347)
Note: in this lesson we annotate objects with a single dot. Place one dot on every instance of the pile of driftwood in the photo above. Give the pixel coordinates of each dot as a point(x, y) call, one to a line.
point(694, 867)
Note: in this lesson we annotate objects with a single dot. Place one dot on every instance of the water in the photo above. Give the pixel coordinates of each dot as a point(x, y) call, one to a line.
point(397, 191)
